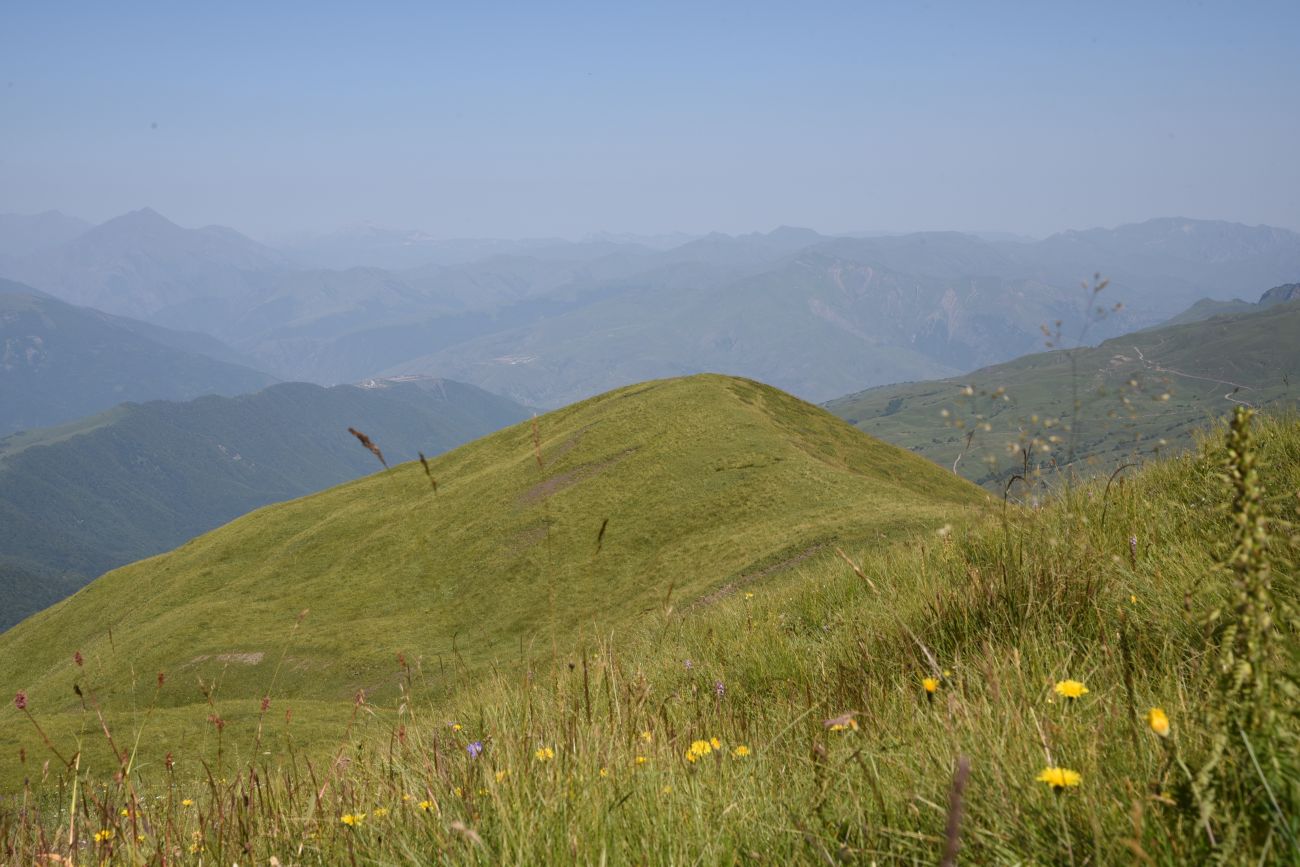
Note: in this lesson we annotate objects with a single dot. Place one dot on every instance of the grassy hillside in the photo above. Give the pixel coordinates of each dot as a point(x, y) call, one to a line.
point(78, 500)
point(1137, 394)
point(796, 724)
point(59, 362)
point(703, 486)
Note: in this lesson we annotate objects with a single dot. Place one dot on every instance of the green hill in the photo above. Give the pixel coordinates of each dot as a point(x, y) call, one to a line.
point(1137, 394)
point(672, 492)
point(140, 479)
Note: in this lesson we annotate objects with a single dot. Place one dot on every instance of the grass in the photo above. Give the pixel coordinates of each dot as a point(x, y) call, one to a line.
point(584, 758)
point(675, 494)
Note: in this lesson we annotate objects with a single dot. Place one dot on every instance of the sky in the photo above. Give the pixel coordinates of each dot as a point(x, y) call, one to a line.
point(559, 119)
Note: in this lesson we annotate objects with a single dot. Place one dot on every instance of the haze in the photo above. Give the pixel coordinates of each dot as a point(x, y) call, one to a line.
point(513, 120)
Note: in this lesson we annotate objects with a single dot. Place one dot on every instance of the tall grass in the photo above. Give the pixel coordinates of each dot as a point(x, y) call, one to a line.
point(825, 719)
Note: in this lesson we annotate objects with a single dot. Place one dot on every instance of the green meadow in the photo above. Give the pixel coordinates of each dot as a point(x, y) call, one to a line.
point(969, 679)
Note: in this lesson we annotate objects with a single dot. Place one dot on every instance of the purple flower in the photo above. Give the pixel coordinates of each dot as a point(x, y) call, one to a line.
point(688, 665)
point(718, 689)
point(474, 749)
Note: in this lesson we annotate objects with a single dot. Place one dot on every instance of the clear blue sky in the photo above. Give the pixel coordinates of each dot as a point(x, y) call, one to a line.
point(480, 118)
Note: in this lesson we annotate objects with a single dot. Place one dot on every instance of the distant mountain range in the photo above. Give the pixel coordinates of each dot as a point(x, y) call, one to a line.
point(59, 362)
point(139, 479)
point(546, 322)
point(1138, 394)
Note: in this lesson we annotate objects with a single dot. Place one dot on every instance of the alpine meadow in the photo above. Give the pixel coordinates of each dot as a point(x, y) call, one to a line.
point(649, 434)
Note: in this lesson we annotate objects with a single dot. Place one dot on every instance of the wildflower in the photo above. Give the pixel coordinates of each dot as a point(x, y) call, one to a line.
point(719, 689)
point(604, 772)
point(689, 666)
point(407, 797)
point(715, 743)
point(474, 749)
point(1158, 721)
point(20, 700)
point(741, 752)
point(931, 685)
point(125, 812)
point(1059, 778)
point(843, 722)
point(502, 774)
point(641, 760)
point(1132, 598)
point(352, 819)
point(379, 812)
point(426, 806)
point(544, 754)
point(104, 836)
point(749, 596)
point(698, 750)
point(266, 703)
point(1070, 689)
point(188, 802)
point(78, 659)
point(646, 736)
point(458, 792)
point(667, 790)
point(455, 727)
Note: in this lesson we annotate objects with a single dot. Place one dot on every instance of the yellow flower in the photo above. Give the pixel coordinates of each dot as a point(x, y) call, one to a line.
point(426, 806)
point(641, 760)
point(139, 838)
point(458, 791)
point(1158, 721)
point(698, 750)
point(740, 752)
point(188, 802)
point(502, 774)
point(455, 727)
point(407, 797)
point(125, 812)
point(646, 736)
point(1059, 778)
point(749, 595)
point(104, 836)
point(1133, 599)
point(667, 790)
point(851, 725)
point(379, 812)
point(716, 744)
point(545, 754)
point(604, 772)
point(931, 685)
point(1070, 689)
point(352, 819)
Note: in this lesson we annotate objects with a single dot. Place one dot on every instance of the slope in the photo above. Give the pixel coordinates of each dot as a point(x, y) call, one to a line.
point(701, 485)
point(142, 478)
point(59, 362)
point(1137, 394)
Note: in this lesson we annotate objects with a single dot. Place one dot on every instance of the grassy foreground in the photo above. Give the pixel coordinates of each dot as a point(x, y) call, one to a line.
point(831, 746)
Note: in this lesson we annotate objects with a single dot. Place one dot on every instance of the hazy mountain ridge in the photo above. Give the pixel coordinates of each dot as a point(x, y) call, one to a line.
point(143, 478)
point(59, 362)
point(548, 321)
